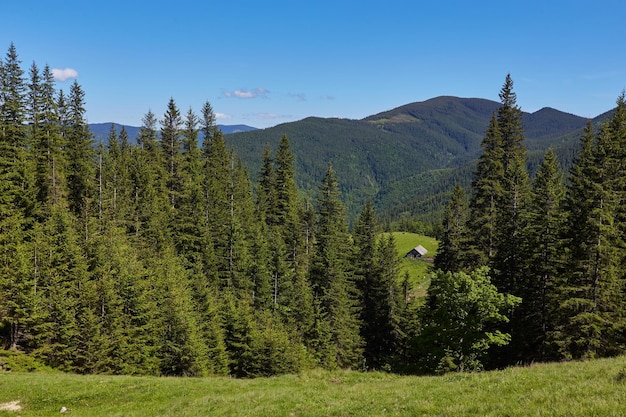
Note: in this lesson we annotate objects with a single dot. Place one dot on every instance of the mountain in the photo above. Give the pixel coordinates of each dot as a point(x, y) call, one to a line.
point(406, 159)
point(101, 130)
point(227, 129)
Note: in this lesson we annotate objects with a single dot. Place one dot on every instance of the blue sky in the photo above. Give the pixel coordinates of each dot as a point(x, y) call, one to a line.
point(265, 63)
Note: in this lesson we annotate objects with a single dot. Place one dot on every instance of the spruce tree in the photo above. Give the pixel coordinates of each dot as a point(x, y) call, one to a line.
point(48, 146)
point(266, 189)
point(546, 258)
point(509, 259)
point(15, 281)
point(125, 307)
point(80, 156)
point(152, 208)
point(62, 273)
point(171, 145)
point(487, 192)
point(182, 350)
point(453, 253)
point(330, 274)
point(592, 306)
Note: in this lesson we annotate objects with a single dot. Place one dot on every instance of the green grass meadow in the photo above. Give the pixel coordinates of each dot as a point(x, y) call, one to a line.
point(418, 269)
point(593, 388)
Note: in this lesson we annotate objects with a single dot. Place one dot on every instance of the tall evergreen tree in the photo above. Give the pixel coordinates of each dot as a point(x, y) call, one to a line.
point(487, 191)
point(152, 209)
point(509, 260)
point(171, 144)
point(48, 145)
point(125, 307)
point(592, 307)
point(15, 283)
point(266, 188)
point(376, 270)
point(330, 274)
point(80, 156)
point(546, 258)
point(183, 350)
point(62, 273)
point(453, 253)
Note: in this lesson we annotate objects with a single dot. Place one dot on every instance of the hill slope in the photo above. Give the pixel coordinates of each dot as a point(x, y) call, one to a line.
point(406, 157)
point(100, 131)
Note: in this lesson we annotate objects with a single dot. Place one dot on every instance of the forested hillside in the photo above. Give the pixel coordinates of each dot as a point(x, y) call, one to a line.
point(406, 159)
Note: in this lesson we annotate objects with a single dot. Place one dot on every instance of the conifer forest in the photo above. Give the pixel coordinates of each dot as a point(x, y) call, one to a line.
point(160, 256)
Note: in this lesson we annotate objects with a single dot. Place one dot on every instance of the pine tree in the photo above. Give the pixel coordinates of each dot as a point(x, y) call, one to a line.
point(383, 328)
point(150, 203)
point(373, 291)
point(15, 282)
point(238, 333)
point(183, 350)
point(47, 146)
point(125, 307)
point(592, 307)
point(266, 188)
point(546, 258)
point(80, 156)
point(61, 275)
point(453, 253)
point(487, 191)
point(330, 274)
point(193, 240)
point(509, 259)
point(171, 144)
point(217, 179)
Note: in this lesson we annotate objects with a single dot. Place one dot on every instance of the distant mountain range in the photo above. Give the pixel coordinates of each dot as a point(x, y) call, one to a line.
point(406, 159)
point(101, 130)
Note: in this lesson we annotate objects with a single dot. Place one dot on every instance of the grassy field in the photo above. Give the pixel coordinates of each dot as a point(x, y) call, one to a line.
point(419, 270)
point(594, 388)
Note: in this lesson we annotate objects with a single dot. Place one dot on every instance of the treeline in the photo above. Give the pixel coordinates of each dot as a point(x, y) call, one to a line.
point(556, 243)
point(161, 258)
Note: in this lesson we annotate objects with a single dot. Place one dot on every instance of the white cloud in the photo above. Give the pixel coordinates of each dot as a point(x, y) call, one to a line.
point(223, 116)
point(243, 93)
point(64, 74)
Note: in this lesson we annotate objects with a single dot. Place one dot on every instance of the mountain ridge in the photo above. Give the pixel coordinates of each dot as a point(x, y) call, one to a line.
point(405, 159)
point(101, 130)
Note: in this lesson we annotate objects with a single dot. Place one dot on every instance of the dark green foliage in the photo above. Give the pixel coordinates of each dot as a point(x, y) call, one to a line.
point(510, 256)
point(376, 266)
point(330, 274)
point(592, 299)
point(487, 192)
point(454, 252)
point(60, 271)
point(171, 150)
point(80, 157)
point(546, 251)
point(458, 318)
